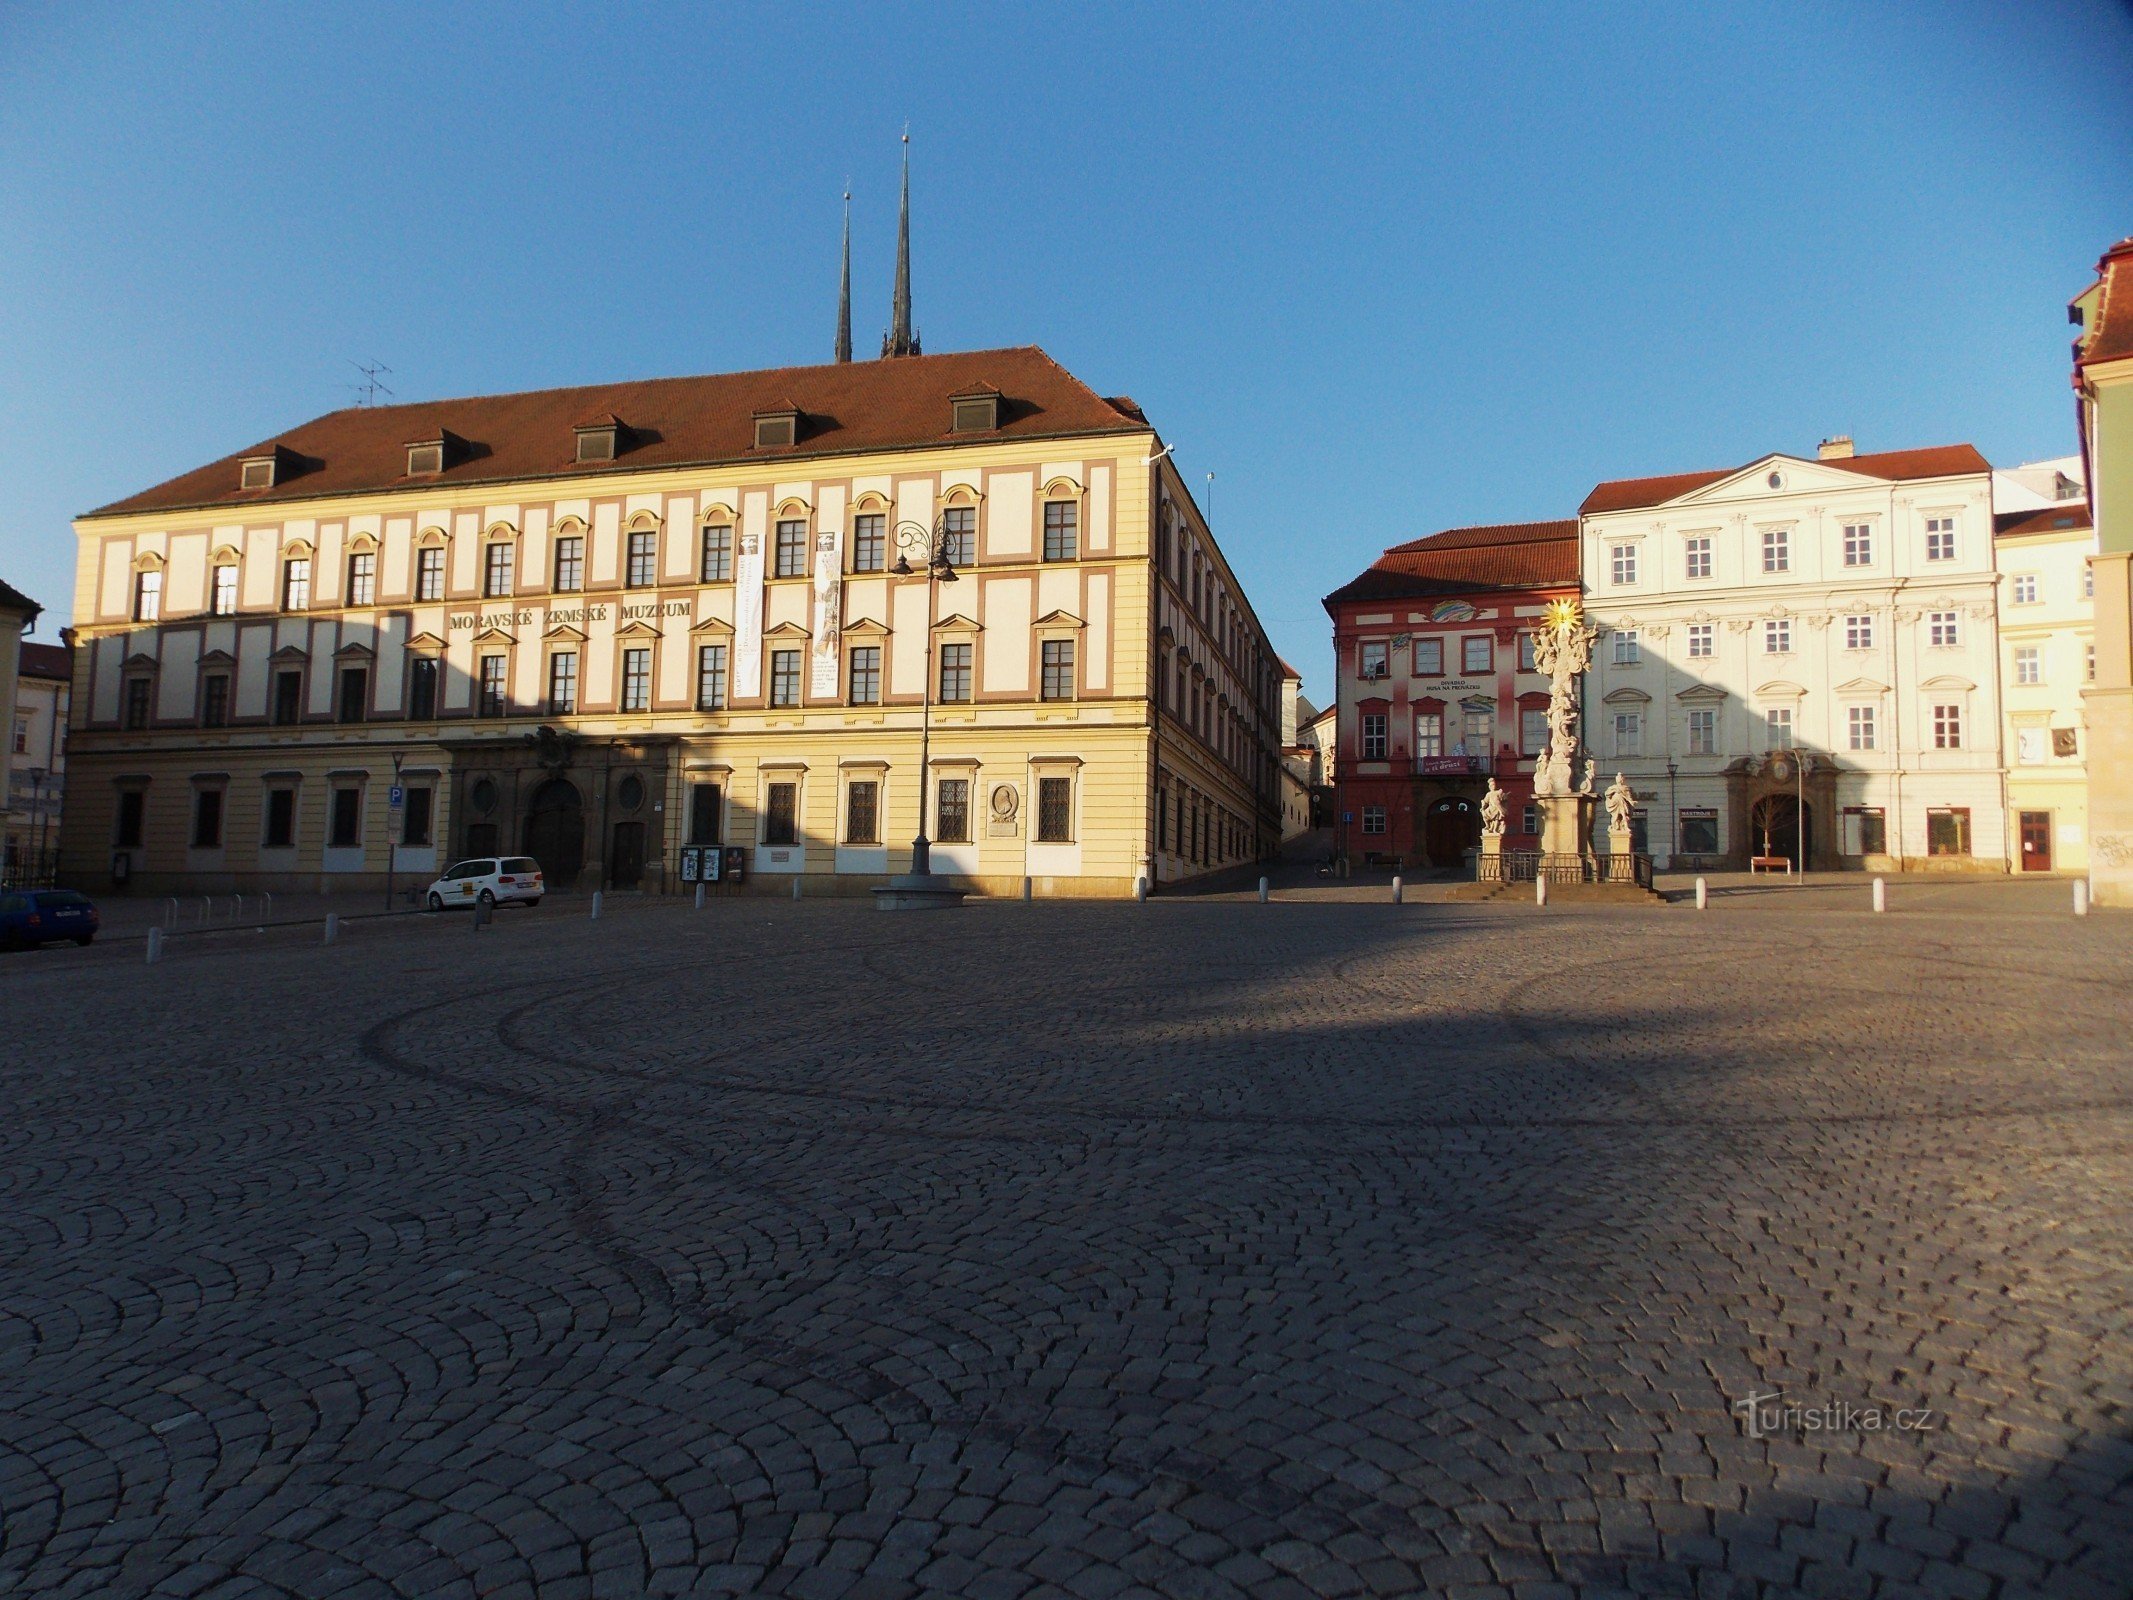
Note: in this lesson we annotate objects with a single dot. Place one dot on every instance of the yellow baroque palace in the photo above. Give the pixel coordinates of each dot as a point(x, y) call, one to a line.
point(655, 631)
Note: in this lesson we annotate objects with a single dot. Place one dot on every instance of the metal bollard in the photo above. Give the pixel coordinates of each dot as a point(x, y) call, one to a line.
point(1140, 887)
point(482, 914)
point(1262, 891)
point(333, 927)
point(1703, 895)
point(1396, 886)
point(170, 912)
point(1029, 889)
point(796, 886)
point(2081, 897)
point(699, 897)
point(269, 898)
point(207, 909)
point(596, 905)
point(1881, 895)
point(155, 945)
point(1540, 891)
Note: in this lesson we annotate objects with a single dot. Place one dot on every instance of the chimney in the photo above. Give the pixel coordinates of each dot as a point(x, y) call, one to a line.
point(1837, 448)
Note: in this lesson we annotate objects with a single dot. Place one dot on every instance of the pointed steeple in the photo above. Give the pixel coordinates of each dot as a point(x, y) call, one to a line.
point(844, 288)
point(901, 340)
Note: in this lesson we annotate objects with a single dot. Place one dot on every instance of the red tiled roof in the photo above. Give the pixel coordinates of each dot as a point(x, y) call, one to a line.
point(1897, 466)
point(1513, 555)
point(2052, 519)
point(47, 661)
point(2111, 338)
point(846, 406)
point(13, 599)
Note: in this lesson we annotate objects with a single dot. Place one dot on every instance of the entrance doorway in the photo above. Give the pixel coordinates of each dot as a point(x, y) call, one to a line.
point(1774, 829)
point(1451, 828)
point(555, 832)
point(2036, 841)
point(625, 863)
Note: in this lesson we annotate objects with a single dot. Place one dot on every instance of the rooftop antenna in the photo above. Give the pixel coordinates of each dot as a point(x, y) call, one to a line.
point(369, 389)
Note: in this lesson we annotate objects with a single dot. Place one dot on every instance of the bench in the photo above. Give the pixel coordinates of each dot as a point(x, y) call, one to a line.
point(1769, 864)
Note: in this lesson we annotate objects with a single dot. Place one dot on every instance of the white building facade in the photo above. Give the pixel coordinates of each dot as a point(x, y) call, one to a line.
point(1802, 638)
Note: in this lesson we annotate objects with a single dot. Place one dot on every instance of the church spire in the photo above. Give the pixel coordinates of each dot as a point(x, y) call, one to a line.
point(901, 340)
point(844, 288)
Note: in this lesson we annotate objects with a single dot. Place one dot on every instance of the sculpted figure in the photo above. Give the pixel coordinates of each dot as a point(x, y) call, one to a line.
point(1492, 810)
point(1621, 802)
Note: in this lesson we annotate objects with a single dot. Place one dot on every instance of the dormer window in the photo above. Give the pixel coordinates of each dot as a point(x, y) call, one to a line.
point(977, 411)
point(257, 472)
point(426, 458)
point(599, 439)
point(777, 429)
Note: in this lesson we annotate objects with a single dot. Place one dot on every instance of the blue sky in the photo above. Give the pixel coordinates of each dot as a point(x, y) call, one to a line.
point(1380, 269)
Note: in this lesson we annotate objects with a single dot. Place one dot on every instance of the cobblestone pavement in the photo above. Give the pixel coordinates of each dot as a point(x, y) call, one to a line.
point(1193, 1249)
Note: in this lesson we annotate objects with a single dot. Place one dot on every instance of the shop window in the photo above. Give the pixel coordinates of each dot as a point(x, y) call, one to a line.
point(1699, 832)
point(1865, 831)
point(1947, 830)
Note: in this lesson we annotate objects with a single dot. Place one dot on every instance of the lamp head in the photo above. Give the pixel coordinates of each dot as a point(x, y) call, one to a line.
point(903, 567)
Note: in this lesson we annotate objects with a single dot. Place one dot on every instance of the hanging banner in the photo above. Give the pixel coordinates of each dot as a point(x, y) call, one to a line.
point(829, 612)
point(748, 616)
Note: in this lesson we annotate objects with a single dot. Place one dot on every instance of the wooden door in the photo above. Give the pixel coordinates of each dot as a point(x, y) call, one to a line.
point(2036, 830)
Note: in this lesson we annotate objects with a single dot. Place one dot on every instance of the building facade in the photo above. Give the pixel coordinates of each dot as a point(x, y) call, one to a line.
point(1437, 691)
point(18, 613)
point(1802, 641)
point(2103, 389)
point(2047, 656)
point(610, 627)
point(36, 783)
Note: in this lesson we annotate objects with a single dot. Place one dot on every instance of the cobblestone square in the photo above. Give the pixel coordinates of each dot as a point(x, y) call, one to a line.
point(1193, 1249)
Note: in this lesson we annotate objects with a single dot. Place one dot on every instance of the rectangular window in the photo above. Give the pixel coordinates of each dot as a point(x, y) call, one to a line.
point(2028, 664)
point(865, 675)
point(704, 807)
point(781, 814)
point(563, 683)
point(1629, 732)
point(1699, 832)
point(1533, 731)
point(1529, 820)
point(1062, 530)
point(1525, 653)
point(363, 578)
point(1943, 628)
point(132, 815)
point(643, 568)
point(224, 603)
point(959, 535)
point(955, 673)
point(1373, 819)
point(498, 563)
point(147, 596)
point(1703, 640)
point(429, 573)
point(1055, 810)
point(862, 812)
point(1429, 658)
point(570, 564)
point(1477, 654)
point(1866, 831)
point(1859, 633)
point(288, 696)
point(207, 819)
point(1623, 563)
point(951, 810)
point(636, 679)
point(2088, 583)
point(1859, 727)
point(422, 688)
point(355, 693)
point(296, 584)
point(1058, 677)
point(1948, 727)
point(344, 830)
point(1947, 830)
point(415, 813)
point(1371, 657)
point(1478, 732)
point(1703, 733)
point(791, 548)
point(1777, 549)
point(1696, 556)
point(1777, 637)
point(711, 677)
point(279, 832)
point(1626, 647)
point(214, 700)
point(2025, 589)
point(1940, 539)
point(1429, 733)
point(492, 686)
point(717, 563)
point(1777, 728)
point(1858, 544)
point(784, 677)
point(1373, 736)
point(870, 544)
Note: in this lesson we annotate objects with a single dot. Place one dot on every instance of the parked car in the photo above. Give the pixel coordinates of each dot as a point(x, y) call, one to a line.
point(32, 917)
point(488, 881)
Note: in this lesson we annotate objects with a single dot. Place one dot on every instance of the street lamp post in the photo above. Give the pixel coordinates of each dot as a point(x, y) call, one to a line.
point(919, 888)
point(1673, 810)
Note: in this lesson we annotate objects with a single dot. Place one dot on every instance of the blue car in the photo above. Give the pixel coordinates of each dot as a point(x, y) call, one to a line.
point(31, 917)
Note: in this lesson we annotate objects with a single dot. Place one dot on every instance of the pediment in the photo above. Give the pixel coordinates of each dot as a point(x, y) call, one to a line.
point(1708, 694)
point(1779, 689)
point(354, 652)
point(288, 652)
point(866, 628)
point(713, 625)
point(495, 635)
point(1949, 680)
point(1798, 476)
point(424, 641)
point(217, 658)
point(786, 630)
point(956, 620)
point(1862, 686)
point(1059, 618)
point(141, 658)
point(564, 630)
point(640, 629)
point(1624, 696)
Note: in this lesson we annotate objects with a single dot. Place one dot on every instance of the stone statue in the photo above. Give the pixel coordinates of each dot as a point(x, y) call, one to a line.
point(1562, 648)
point(1592, 775)
point(1621, 802)
point(1492, 811)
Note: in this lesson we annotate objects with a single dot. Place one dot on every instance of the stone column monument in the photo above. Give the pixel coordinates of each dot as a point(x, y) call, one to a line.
point(1562, 648)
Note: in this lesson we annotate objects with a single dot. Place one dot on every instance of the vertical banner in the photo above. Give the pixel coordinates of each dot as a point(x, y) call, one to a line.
point(748, 614)
point(829, 612)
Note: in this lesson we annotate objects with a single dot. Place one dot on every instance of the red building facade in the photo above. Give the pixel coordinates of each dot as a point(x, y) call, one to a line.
point(1433, 651)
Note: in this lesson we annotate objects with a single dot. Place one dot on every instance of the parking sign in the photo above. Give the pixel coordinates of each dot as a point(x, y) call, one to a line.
point(396, 797)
